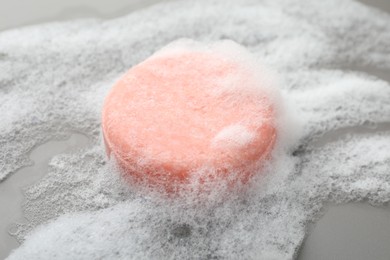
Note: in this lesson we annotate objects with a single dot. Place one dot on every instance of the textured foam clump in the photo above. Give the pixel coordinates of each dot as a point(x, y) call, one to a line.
point(53, 81)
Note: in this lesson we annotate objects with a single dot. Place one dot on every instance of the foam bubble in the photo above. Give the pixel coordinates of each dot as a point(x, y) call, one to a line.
point(62, 71)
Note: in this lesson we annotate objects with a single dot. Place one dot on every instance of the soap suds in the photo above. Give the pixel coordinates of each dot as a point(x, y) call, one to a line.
point(53, 79)
point(233, 135)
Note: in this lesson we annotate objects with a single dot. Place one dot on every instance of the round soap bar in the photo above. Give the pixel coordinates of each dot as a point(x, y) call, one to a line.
point(189, 115)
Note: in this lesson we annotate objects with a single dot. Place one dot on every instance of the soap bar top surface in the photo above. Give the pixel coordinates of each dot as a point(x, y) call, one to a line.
point(189, 110)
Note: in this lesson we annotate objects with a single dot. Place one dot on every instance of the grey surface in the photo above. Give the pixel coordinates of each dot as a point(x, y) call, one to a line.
point(354, 231)
point(350, 232)
point(11, 193)
point(15, 13)
point(383, 5)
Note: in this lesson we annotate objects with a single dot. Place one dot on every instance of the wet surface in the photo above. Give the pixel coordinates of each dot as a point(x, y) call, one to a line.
point(383, 5)
point(40, 11)
point(354, 231)
point(349, 232)
point(382, 74)
point(365, 128)
point(11, 190)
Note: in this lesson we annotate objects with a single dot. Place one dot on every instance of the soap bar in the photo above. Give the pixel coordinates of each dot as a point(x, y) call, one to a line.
point(190, 113)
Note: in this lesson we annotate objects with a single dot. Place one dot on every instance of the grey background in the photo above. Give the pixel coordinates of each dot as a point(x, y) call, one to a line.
point(354, 231)
point(15, 13)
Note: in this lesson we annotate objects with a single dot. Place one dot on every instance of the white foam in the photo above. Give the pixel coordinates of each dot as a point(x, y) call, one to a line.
point(233, 135)
point(63, 71)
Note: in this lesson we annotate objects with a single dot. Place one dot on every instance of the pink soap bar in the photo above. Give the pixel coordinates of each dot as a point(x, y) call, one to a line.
point(183, 114)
